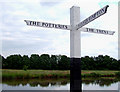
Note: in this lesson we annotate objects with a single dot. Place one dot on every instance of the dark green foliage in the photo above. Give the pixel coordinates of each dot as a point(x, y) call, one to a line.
point(26, 62)
point(64, 63)
point(100, 63)
point(25, 67)
point(2, 62)
point(117, 74)
point(45, 62)
point(58, 62)
point(13, 62)
point(54, 62)
point(35, 61)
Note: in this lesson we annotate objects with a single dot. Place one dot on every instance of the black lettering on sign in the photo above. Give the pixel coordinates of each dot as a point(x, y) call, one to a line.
point(43, 23)
point(53, 25)
point(34, 23)
point(66, 26)
point(91, 30)
point(98, 13)
point(87, 29)
point(27, 22)
point(104, 31)
point(50, 24)
point(56, 26)
point(63, 26)
point(89, 19)
point(97, 30)
point(38, 23)
point(30, 22)
point(46, 24)
point(86, 21)
point(107, 32)
point(59, 25)
point(103, 10)
point(94, 15)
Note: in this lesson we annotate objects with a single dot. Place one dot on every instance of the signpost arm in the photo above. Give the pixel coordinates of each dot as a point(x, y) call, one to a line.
point(75, 50)
point(93, 17)
point(99, 31)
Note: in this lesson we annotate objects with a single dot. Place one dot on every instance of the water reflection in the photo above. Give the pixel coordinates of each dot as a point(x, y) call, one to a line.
point(100, 81)
point(60, 82)
point(36, 82)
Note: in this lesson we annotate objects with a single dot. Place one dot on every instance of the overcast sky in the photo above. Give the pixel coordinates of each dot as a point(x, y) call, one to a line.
point(18, 38)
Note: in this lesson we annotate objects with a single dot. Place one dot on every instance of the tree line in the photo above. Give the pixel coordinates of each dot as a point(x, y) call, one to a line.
point(58, 62)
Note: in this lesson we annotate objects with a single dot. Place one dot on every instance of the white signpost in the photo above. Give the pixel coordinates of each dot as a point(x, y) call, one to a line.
point(75, 28)
point(66, 27)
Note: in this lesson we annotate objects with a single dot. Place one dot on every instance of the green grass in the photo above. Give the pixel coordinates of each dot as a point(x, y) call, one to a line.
point(21, 74)
point(98, 73)
point(32, 74)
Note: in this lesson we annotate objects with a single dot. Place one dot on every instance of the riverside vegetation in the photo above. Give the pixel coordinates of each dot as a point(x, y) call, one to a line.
point(56, 66)
point(58, 62)
point(48, 74)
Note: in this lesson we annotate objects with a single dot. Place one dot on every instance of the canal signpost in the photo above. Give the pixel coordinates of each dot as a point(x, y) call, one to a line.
point(75, 28)
point(66, 27)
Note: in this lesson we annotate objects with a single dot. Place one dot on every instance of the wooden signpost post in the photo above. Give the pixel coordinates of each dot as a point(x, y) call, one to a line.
point(75, 28)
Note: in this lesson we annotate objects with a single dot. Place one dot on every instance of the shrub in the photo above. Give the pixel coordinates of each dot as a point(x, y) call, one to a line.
point(25, 67)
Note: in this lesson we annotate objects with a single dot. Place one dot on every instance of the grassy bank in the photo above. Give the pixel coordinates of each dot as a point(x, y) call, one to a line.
point(21, 74)
point(32, 74)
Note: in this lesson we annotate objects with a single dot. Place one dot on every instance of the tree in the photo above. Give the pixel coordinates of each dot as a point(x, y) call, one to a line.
point(26, 62)
point(64, 63)
point(58, 62)
point(2, 62)
point(14, 62)
point(35, 61)
point(88, 63)
point(54, 62)
point(45, 62)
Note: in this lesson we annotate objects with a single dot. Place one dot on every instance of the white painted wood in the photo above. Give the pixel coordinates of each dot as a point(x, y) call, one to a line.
point(47, 25)
point(118, 86)
point(92, 17)
point(66, 27)
point(99, 31)
point(75, 35)
point(119, 30)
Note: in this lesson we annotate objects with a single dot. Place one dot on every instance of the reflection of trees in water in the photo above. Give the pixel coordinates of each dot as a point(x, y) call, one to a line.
point(64, 83)
point(35, 82)
point(100, 81)
point(42, 84)
point(53, 84)
point(58, 82)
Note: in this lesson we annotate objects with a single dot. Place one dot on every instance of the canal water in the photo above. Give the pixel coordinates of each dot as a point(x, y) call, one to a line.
point(60, 84)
